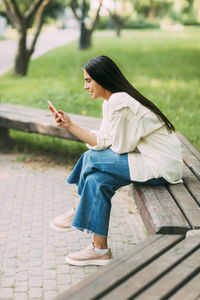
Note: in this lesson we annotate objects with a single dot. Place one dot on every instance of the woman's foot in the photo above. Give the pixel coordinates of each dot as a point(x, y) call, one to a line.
point(63, 222)
point(89, 256)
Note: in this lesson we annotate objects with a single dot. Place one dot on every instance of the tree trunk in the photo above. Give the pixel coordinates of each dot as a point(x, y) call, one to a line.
point(85, 37)
point(117, 24)
point(23, 55)
point(117, 28)
point(152, 10)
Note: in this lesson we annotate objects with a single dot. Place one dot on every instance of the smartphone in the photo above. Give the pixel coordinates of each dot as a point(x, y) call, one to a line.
point(54, 110)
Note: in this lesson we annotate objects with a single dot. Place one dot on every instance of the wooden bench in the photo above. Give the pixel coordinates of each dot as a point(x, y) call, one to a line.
point(160, 267)
point(34, 120)
point(172, 209)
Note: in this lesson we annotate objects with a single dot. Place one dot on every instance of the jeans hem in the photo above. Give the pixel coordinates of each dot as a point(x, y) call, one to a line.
point(88, 231)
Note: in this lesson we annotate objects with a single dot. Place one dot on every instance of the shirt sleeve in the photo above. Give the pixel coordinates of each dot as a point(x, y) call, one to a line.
point(103, 140)
point(125, 131)
point(129, 128)
point(103, 137)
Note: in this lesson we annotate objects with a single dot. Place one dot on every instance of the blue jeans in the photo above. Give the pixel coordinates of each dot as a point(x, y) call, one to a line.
point(98, 174)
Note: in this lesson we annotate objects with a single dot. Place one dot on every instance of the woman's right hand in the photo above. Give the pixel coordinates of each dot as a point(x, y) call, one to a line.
point(64, 121)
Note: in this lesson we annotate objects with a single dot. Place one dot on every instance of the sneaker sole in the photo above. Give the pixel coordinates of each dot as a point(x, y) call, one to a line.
point(96, 262)
point(60, 229)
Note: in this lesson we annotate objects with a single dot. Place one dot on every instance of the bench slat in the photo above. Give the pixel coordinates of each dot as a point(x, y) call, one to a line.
point(187, 204)
point(192, 184)
point(159, 212)
point(151, 273)
point(192, 160)
point(188, 145)
point(191, 289)
point(173, 280)
point(110, 276)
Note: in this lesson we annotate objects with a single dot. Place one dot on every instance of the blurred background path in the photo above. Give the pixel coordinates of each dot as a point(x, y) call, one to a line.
point(47, 40)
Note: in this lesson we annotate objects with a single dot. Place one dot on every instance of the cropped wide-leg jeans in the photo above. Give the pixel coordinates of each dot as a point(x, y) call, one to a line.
point(98, 174)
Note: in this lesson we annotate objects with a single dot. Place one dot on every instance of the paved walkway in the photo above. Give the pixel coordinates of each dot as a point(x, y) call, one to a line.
point(32, 255)
point(49, 39)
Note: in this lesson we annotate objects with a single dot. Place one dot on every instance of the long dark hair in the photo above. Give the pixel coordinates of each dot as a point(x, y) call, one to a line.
point(106, 73)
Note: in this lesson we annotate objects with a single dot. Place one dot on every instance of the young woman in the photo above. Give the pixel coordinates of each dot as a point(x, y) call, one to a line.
point(136, 143)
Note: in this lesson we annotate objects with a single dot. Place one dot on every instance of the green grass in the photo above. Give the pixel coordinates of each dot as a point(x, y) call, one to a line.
point(164, 66)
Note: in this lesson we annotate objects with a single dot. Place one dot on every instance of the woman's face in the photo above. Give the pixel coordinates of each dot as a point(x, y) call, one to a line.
point(95, 90)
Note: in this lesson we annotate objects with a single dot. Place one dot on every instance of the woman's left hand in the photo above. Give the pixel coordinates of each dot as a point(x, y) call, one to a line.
point(63, 120)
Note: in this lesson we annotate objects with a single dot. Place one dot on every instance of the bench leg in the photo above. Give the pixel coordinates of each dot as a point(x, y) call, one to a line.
point(4, 135)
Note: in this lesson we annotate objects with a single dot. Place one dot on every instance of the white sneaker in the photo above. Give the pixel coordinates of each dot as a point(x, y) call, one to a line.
point(63, 223)
point(89, 256)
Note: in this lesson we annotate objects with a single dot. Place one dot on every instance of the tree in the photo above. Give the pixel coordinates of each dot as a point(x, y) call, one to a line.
point(22, 21)
point(80, 10)
point(119, 11)
point(152, 8)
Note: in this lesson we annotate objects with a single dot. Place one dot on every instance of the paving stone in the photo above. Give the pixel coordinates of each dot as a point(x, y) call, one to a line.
point(50, 264)
point(50, 295)
point(21, 296)
point(36, 262)
point(63, 269)
point(77, 273)
point(60, 260)
point(35, 293)
point(9, 271)
point(25, 241)
point(23, 257)
point(76, 280)
point(24, 266)
point(22, 276)
point(36, 253)
point(21, 286)
point(10, 262)
point(90, 269)
point(35, 271)
point(35, 281)
point(61, 251)
point(50, 285)
point(7, 282)
point(11, 253)
point(50, 255)
point(62, 288)
point(74, 247)
point(63, 279)
point(25, 249)
point(2, 248)
point(6, 293)
point(50, 274)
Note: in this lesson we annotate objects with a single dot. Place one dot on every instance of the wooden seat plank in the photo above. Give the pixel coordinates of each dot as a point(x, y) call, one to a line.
point(192, 160)
point(139, 282)
point(188, 145)
point(192, 184)
point(159, 212)
point(191, 289)
point(110, 277)
point(165, 287)
point(187, 204)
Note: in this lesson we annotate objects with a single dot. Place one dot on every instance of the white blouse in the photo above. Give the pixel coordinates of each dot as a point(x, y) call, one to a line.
point(129, 127)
